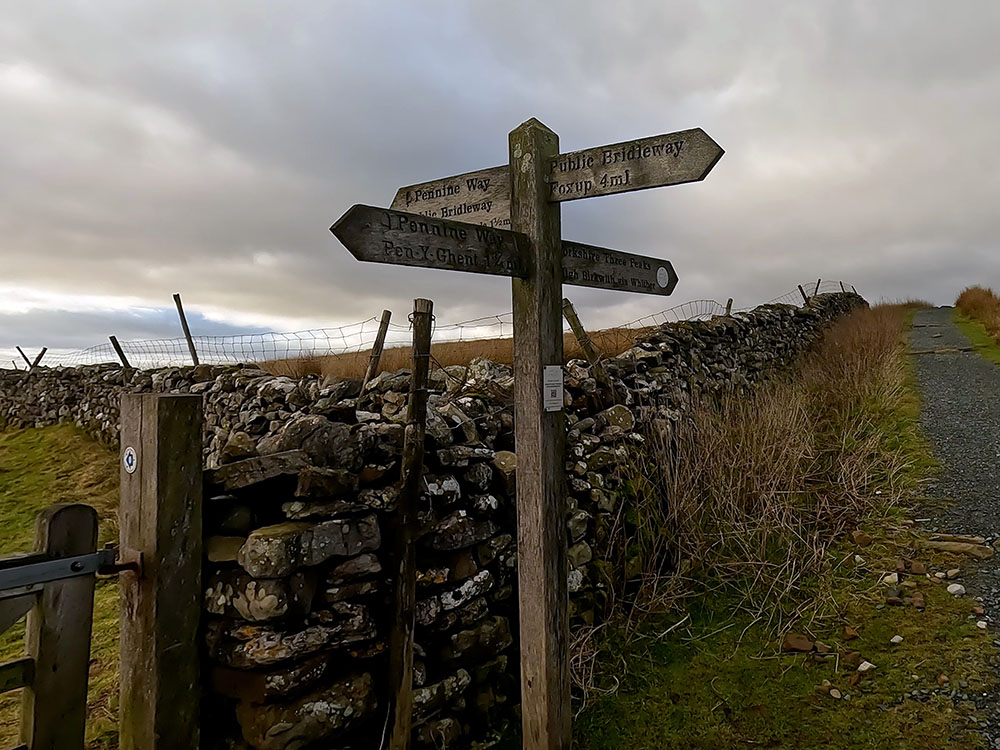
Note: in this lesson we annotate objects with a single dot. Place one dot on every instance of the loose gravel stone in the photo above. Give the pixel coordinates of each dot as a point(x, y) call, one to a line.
point(960, 413)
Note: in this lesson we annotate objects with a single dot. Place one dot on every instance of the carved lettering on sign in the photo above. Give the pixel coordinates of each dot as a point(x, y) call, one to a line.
point(380, 235)
point(481, 197)
point(686, 156)
point(589, 265)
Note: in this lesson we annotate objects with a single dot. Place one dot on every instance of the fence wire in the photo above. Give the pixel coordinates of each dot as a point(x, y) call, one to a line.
point(360, 337)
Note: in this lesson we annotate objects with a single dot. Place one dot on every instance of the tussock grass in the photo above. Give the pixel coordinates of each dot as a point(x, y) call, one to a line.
point(753, 489)
point(983, 305)
point(736, 532)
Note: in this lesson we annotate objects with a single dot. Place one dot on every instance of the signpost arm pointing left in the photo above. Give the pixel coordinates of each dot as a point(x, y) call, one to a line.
point(538, 441)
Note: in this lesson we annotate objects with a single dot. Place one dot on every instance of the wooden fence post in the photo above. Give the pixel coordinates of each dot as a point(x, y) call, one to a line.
point(729, 306)
point(119, 351)
point(569, 312)
point(54, 706)
point(817, 287)
point(805, 297)
point(842, 289)
point(23, 356)
point(404, 551)
point(187, 331)
point(376, 355)
point(39, 357)
point(539, 443)
point(853, 289)
point(161, 520)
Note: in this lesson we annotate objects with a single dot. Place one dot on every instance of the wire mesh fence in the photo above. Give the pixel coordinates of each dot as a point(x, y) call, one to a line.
point(360, 337)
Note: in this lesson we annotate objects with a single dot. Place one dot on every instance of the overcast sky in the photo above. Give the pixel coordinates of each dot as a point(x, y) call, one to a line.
point(149, 147)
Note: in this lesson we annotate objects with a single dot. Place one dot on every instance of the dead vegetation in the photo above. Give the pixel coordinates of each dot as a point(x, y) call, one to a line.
point(983, 305)
point(751, 492)
point(609, 342)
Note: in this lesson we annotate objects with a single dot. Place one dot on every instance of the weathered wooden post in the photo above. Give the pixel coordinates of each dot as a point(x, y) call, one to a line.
point(161, 524)
point(586, 343)
point(54, 705)
point(842, 289)
point(187, 331)
point(729, 306)
point(404, 533)
point(39, 357)
point(805, 297)
point(538, 439)
point(817, 287)
point(23, 356)
point(119, 351)
point(525, 194)
point(376, 355)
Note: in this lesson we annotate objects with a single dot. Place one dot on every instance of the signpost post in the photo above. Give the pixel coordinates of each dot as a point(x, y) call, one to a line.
point(505, 221)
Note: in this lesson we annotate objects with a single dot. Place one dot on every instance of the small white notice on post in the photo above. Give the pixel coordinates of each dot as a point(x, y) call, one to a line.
point(552, 388)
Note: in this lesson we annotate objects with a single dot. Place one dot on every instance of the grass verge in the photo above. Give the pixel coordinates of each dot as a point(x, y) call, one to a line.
point(981, 339)
point(743, 537)
point(39, 468)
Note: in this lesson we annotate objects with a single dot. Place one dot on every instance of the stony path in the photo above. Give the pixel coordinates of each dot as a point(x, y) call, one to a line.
point(960, 414)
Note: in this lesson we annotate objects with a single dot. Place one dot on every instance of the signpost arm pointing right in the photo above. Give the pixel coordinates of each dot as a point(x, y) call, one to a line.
point(539, 441)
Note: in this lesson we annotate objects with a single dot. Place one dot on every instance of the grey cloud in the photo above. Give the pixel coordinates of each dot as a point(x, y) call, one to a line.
point(166, 146)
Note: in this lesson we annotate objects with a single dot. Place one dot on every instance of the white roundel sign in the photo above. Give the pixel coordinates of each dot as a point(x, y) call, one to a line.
point(130, 460)
point(662, 277)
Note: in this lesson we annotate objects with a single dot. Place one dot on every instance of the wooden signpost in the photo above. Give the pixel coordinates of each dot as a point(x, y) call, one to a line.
point(379, 235)
point(506, 221)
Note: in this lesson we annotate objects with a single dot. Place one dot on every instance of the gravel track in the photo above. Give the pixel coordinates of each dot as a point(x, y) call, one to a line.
point(960, 414)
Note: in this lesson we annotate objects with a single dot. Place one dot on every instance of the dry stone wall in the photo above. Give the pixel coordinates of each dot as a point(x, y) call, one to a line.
point(301, 486)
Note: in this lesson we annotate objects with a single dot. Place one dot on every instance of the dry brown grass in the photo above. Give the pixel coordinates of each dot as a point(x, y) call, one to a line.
point(609, 342)
point(751, 492)
point(981, 304)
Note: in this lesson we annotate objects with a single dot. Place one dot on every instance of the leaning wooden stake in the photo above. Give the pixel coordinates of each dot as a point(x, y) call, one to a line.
point(23, 356)
point(586, 344)
point(160, 516)
point(817, 287)
point(842, 287)
point(373, 360)
point(539, 444)
point(119, 351)
point(54, 706)
point(187, 331)
point(404, 536)
point(39, 357)
point(805, 297)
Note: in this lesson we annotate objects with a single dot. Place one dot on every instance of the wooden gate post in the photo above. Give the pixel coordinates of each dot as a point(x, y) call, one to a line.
point(54, 705)
point(539, 443)
point(161, 520)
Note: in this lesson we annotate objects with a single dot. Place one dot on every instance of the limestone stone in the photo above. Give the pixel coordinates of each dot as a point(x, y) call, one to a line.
point(327, 444)
point(320, 482)
point(275, 551)
point(233, 593)
point(458, 530)
point(240, 474)
point(361, 566)
point(251, 646)
point(321, 716)
point(428, 700)
point(239, 445)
